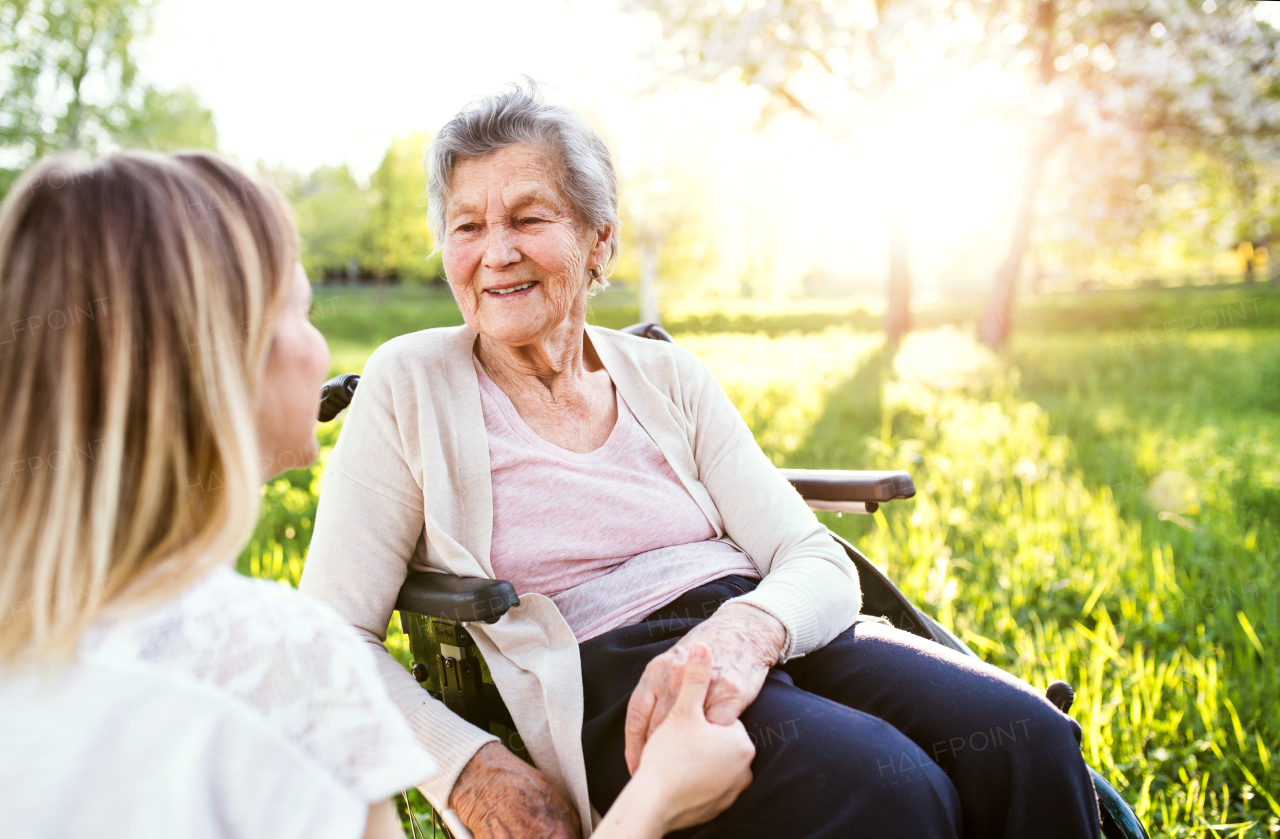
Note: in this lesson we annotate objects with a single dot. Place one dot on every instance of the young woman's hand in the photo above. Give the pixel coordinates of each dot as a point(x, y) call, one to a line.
point(691, 769)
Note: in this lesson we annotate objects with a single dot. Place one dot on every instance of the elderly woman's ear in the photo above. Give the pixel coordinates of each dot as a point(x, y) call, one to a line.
point(600, 254)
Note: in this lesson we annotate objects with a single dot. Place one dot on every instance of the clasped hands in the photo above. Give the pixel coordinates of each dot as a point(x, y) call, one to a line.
point(696, 766)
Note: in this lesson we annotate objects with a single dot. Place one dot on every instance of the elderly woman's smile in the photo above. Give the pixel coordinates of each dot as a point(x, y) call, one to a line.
point(517, 256)
point(505, 291)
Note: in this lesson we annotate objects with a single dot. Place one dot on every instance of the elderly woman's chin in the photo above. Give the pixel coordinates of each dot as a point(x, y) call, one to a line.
point(521, 317)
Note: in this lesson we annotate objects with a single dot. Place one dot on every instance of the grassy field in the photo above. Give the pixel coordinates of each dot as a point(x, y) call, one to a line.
point(1100, 503)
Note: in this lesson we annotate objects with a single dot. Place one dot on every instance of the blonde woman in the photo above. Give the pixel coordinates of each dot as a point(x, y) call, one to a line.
point(156, 365)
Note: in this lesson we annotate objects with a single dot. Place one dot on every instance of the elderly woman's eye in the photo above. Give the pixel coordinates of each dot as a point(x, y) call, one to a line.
point(531, 220)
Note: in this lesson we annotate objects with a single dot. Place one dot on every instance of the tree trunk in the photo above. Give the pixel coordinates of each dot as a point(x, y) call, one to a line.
point(76, 108)
point(650, 309)
point(997, 320)
point(897, 319)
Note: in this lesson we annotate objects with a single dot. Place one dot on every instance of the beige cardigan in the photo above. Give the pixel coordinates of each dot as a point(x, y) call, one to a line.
point(407, 488)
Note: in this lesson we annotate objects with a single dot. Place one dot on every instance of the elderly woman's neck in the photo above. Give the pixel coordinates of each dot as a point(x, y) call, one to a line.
point(559, 388)
point(553, 368)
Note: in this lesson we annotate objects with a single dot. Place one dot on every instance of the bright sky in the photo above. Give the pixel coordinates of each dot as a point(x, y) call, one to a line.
point(325, 82)
point(322, 82)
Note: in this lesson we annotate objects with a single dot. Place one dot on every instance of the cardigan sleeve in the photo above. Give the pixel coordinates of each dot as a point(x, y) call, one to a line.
point(809, 585)
point(369, 523)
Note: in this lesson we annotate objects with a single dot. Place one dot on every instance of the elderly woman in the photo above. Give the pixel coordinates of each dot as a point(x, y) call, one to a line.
point(612, 482)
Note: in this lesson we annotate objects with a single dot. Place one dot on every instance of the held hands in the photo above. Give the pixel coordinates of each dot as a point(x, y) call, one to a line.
point(695, 765)
point(691, 769)
point(700, 767)
point(743, 641)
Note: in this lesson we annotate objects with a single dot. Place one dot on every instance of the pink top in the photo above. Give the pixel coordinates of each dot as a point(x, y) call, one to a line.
point(609, 536)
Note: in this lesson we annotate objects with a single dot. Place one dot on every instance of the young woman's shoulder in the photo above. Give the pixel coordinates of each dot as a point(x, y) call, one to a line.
point(240, 703)
point(289, 660)
point(113, 749)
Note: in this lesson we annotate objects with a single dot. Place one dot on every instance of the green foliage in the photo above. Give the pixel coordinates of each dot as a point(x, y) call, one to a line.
point(416, 817)
point(278, 545)
point(333, 215)
point(57, 54)
point(169, 122)
point(379, 229)
point(1102, 511)
point(71, 82)
point(1093, 506)
point(402, 245)
point(1174, 217)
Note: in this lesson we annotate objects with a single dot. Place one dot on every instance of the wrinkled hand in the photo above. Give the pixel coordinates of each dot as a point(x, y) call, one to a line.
point(744, 643)
point(499, 796)
point(697, 767)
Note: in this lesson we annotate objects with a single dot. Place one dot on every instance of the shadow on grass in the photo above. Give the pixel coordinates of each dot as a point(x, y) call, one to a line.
point(839, 438)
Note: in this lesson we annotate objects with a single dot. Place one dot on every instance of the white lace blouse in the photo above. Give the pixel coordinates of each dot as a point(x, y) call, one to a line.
point(237, 709)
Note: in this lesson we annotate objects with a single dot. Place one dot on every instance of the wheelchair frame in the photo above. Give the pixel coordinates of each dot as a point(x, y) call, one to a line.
point(436, 607)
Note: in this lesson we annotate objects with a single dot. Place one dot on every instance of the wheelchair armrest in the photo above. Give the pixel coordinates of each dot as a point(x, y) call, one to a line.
point(455, 598)
point(837, 487)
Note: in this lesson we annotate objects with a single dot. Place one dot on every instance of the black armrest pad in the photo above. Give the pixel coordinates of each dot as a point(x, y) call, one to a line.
point(456, 598)
point(336, 394)
point(839, 485)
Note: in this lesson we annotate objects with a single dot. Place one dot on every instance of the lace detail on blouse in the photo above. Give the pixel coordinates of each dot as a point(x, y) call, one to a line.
point(288, 658)
point(239, 708)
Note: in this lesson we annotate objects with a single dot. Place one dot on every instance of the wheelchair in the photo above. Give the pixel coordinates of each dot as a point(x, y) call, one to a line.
point(435, 609)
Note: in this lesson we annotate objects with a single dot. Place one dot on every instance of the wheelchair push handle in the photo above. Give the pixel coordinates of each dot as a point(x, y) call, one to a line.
point(336, 394)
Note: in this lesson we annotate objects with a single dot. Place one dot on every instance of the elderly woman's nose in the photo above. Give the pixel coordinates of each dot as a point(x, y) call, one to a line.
point(500, 245)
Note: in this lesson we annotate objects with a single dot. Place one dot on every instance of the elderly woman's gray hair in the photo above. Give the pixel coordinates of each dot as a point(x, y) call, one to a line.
point(519, 115)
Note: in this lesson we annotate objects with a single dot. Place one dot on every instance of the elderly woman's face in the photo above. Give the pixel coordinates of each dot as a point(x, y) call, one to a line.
point(514, 252)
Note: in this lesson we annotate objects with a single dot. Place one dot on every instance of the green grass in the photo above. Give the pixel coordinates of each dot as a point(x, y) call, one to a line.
point(1099, 503)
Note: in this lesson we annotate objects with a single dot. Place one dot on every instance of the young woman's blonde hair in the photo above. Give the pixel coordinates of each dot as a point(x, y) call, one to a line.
point(137, 300)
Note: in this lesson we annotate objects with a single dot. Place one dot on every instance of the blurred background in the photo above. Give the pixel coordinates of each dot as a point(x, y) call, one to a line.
point(1021, 248)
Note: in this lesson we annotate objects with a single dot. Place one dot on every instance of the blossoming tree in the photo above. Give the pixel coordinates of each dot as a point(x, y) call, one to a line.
point(1108, 85)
